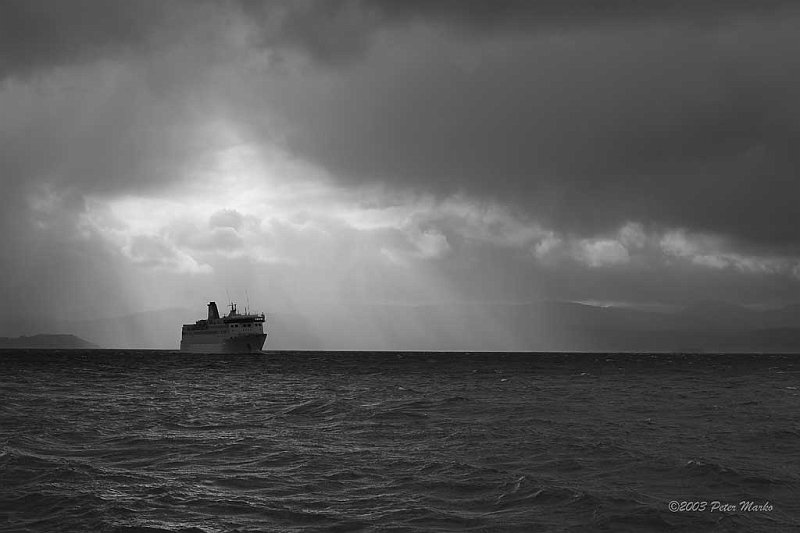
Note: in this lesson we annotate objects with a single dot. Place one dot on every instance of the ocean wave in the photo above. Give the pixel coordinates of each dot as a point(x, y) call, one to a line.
point(150, 441)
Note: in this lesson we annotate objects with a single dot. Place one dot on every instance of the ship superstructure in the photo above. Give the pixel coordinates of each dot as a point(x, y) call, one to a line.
point(233, 333)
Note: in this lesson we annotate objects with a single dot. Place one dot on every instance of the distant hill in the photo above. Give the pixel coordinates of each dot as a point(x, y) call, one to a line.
point(146, 330)
point(61, 342)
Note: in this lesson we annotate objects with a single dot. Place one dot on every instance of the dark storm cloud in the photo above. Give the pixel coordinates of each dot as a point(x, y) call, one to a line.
point(83, 101)
point(45, 33)
point(337, 32)
point(675, 113)
point(585, 113)
point(489, 14)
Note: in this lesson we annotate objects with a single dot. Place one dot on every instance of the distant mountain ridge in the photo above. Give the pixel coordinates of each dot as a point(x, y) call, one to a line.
point(533, 326)
point(57, 341)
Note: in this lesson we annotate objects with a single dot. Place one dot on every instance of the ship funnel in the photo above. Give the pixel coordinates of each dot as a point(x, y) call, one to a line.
point(213, 313)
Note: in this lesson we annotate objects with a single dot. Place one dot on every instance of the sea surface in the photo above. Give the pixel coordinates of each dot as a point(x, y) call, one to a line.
point(330, 441)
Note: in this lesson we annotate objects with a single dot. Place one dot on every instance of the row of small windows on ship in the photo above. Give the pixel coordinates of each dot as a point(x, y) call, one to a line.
point(242, 325)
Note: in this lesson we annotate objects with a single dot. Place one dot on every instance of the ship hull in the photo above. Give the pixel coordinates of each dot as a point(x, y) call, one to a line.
point(238, 344)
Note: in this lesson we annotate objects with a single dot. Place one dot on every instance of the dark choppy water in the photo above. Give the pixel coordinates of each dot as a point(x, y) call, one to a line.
point(161, 441)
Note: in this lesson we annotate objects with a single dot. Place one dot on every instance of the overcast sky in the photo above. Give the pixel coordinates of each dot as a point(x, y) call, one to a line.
point(324, 155)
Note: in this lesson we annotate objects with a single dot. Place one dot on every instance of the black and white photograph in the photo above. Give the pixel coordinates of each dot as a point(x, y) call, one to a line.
point(399, 265)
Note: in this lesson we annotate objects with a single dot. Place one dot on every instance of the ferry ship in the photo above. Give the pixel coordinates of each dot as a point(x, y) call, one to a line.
point(233, 333)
